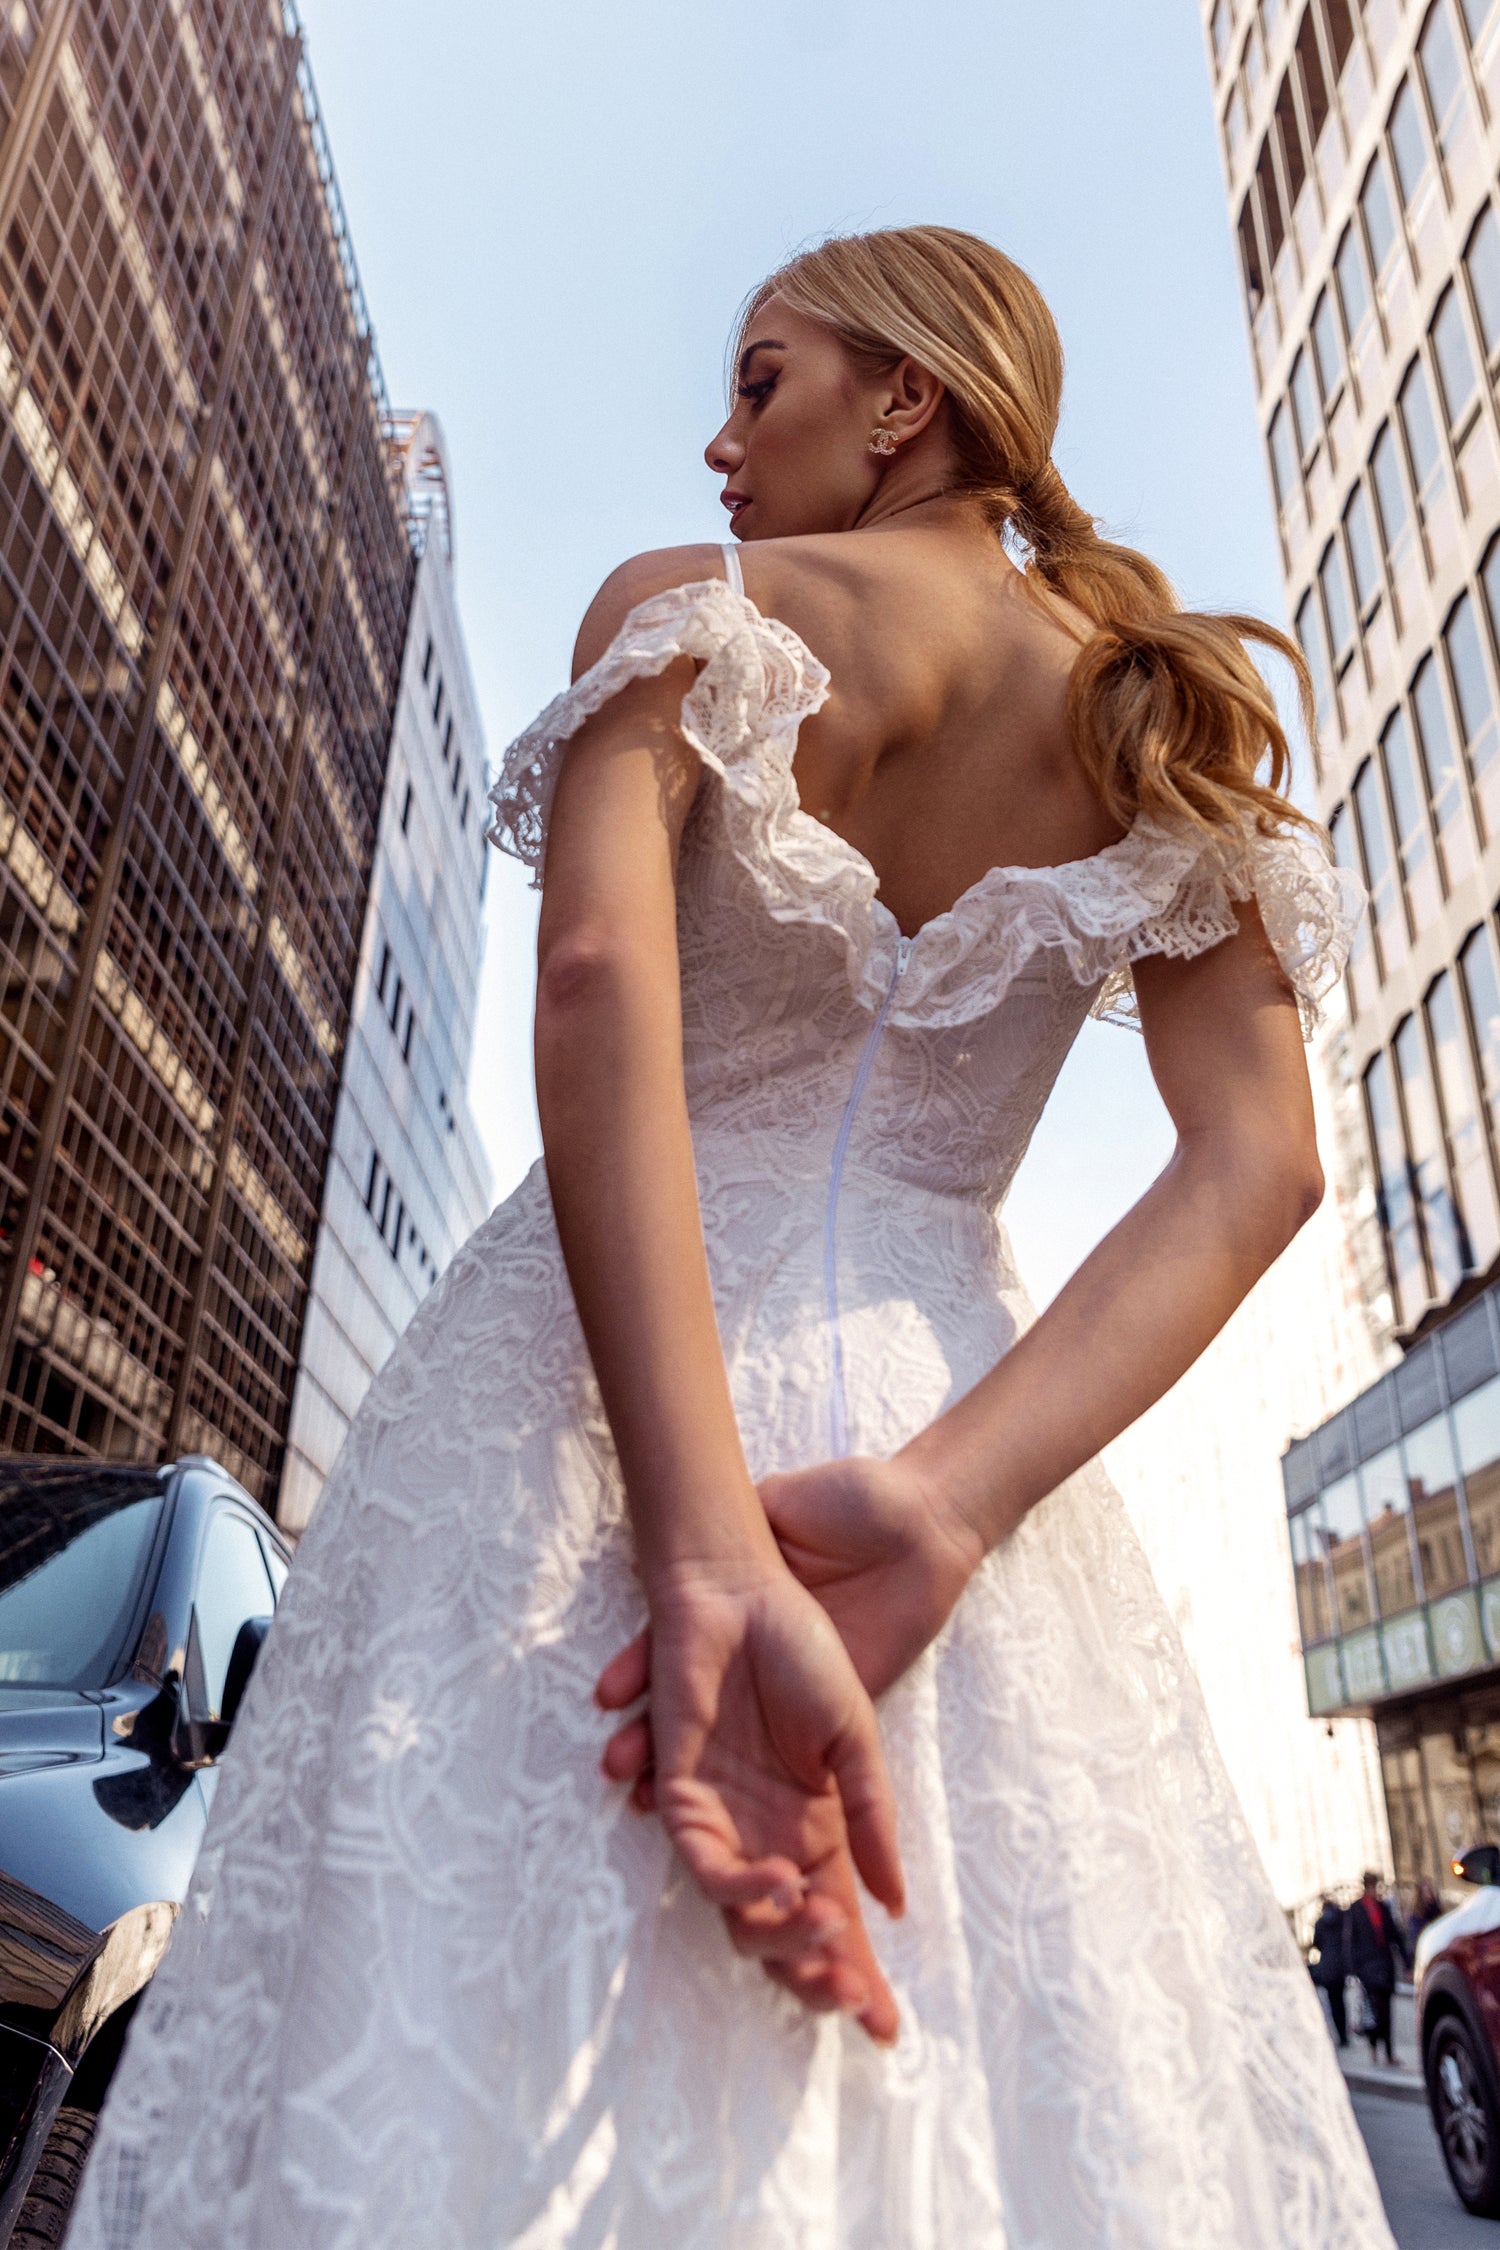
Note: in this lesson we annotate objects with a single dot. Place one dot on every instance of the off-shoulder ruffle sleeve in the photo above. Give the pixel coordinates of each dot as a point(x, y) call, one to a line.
point(758, 683)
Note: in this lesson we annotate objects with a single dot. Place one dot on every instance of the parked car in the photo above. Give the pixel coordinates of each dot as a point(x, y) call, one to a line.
point(1458, 2031)
point(133, 1604)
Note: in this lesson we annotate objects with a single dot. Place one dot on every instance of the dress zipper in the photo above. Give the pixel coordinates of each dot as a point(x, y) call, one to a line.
point(839, 1405)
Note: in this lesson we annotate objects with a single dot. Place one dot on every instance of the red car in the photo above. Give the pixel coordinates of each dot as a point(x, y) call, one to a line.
point(1458, 2031)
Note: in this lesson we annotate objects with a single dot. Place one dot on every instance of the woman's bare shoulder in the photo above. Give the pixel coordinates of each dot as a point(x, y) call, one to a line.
point(634, 581)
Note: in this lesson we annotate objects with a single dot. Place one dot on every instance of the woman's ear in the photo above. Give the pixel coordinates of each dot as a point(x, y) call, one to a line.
point(912, 396)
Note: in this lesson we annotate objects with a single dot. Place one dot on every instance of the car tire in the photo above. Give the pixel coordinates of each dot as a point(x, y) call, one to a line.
point(43, 2216)
point(1464, 2110)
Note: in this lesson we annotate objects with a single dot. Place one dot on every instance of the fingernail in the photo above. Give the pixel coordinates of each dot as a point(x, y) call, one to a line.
point(856, 2004)
point(787, 1897)
point(829, 1933)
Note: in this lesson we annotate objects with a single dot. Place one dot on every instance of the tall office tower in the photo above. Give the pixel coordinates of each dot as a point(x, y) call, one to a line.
point(1361, 146)
point(407, 1181)
point(204, 581)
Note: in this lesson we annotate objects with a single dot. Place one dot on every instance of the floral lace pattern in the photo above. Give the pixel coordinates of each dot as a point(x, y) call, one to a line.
point(434, 1989)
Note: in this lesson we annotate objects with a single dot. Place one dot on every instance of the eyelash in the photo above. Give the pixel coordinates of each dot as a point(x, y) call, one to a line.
point(760, 390)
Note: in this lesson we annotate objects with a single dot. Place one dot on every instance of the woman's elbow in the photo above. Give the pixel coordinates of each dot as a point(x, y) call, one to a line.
point(1291, 1189)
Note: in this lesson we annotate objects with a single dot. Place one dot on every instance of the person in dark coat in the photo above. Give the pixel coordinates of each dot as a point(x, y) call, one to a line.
point(1330, 1942)
point(1377, 1943)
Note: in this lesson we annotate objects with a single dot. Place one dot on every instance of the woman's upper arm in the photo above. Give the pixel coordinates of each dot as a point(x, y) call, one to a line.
point(1224, 1040)
point(626, 782)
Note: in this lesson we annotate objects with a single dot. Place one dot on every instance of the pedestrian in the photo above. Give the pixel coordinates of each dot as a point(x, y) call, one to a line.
point(1427, 1909)
point(748, 1361)
point(1330, 1963)
point(1376, 1943)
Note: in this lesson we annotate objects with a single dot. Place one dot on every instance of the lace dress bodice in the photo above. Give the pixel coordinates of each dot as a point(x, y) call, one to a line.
point(790, 962)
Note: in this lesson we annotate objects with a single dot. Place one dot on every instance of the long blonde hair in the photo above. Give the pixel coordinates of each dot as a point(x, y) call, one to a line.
point(1168, 711)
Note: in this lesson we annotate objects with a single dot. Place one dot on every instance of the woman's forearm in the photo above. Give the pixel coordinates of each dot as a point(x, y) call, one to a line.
point(620, 1165)
point(1132, 1320)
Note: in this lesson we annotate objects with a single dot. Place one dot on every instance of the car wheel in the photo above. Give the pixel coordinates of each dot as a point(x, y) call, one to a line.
point(1464, 2112)
point(44, 2215)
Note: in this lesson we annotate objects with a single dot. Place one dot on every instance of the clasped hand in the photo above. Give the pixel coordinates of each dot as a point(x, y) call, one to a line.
point(759, 1748)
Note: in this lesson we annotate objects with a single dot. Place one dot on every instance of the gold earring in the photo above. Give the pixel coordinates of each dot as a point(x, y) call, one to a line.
point(883, 440)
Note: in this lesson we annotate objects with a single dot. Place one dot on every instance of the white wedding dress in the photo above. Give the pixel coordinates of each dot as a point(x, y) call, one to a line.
point(435, 1987)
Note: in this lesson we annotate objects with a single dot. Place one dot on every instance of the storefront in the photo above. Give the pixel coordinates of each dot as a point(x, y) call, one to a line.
point(1393, 1510)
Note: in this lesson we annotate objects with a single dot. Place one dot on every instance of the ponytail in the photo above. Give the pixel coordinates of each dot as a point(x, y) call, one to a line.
point(1168, 710)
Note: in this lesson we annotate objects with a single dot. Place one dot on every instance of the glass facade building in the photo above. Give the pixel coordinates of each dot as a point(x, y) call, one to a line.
point(1361, 144)
point(407, 1180)
point(205, 575)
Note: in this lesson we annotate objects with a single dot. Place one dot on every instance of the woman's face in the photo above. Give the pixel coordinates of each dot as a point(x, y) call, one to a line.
point(795, 452)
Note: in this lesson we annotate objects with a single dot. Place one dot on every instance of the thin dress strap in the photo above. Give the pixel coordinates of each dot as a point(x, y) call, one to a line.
point(732, 570)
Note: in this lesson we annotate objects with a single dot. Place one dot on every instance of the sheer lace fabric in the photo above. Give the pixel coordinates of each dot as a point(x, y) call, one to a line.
point(434, 1989)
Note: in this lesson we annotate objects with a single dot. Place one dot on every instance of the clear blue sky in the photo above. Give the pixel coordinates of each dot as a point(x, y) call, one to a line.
point(556, 211)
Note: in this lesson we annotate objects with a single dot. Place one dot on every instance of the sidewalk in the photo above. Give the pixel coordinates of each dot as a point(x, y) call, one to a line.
point(1405, 2082)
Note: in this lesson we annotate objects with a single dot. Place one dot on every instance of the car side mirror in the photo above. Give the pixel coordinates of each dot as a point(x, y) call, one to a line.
point(1480, 1864)
point(248, 1642)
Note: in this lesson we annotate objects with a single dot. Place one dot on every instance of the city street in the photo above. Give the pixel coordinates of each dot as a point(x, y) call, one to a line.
point(1424, 2212)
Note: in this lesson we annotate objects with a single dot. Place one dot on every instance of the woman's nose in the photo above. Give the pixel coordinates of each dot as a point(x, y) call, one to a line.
point(723, 452)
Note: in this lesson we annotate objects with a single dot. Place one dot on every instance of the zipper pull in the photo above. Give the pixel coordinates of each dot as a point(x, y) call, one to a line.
point(903, 952)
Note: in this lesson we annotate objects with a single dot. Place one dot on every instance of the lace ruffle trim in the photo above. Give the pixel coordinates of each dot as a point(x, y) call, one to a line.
point(1156, 891)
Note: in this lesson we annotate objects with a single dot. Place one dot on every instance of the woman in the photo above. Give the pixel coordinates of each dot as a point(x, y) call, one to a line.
point(817, 932)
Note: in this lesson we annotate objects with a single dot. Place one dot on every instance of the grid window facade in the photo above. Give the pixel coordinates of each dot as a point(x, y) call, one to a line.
point(205, 572)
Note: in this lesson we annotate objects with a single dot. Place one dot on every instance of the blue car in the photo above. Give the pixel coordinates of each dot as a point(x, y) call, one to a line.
point(133, 1604)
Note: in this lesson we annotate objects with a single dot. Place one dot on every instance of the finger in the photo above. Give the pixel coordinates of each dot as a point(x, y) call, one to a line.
point(643, 1795)
point(727, 1878)
point(760, 1934)
point(825, 1988)
point(870, 1812)
point(628, 1751)
point(853, 1955)
point(625, 1676)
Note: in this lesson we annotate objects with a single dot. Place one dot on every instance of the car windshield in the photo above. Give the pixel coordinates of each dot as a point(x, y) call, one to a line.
point(73, 1554)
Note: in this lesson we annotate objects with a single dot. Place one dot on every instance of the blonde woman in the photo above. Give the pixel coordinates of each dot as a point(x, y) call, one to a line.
point(841, 844)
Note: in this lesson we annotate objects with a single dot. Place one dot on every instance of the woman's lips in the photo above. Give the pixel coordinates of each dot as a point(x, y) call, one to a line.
point(734, 502)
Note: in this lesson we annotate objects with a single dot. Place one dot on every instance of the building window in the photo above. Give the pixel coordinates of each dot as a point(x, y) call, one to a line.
point(1458, 379)
point(1397, 531)
point(1328, 352)
point(1310, 1567)
point(1443, 76)
point(448, 739)
point(1309, 65)
point(1432, 1482)
point(1463, 1121)
point(1387, 917)
point(1305, 408)
point(1223, 27)
point(387, 963)
point(1482, 262)
point(1475, 702)
point(1476, 14)
point(1340, 25)
point(1272, 215)
point(1343, 1528)
point(1388, 1523)
point(1398, 1210)
point(1446, 1248)
point(1253, 60)
point(1476, 1425)
point(1289, 133)
point(1250, 265)
point(1445, 782)
point(1235, 123)
point(406, 810)
point(1362, 979)
point(1481, 988)
point(1354, 297)
point(1413, 850)
point(427, 662)
point(1381, 232)
point(1337, 607)
point(1310, 634)
point(463, 811)
point(1423, 445)
point(1285, 474)
point(1364, 560)
point(1409, 147)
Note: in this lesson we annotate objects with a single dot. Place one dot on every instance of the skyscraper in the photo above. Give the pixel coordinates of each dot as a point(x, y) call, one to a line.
point(407, 1181)
point(1361, 146)
point(204, 581)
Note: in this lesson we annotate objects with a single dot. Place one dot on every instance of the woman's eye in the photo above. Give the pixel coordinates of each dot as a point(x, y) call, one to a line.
point(760, 390)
